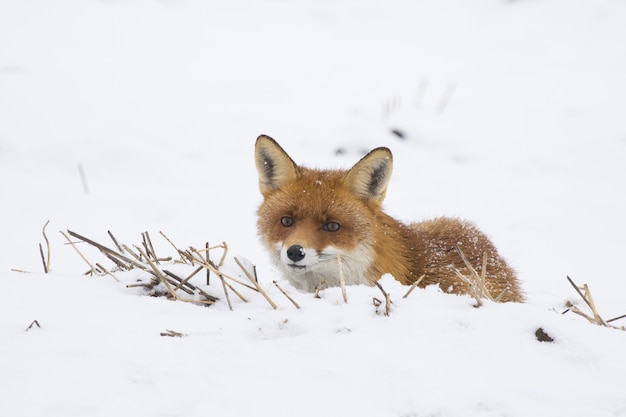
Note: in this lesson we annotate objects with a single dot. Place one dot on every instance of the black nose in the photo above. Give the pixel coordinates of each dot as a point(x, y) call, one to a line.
point(295, 253)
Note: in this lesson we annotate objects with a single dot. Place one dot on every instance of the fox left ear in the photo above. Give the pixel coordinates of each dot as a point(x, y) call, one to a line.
point(274, 166)
point(369, 177)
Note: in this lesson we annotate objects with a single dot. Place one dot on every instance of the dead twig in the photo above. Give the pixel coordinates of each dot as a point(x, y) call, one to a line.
point(414, 285)
point(319, 288)
point(255, 283)
point(387, 298)
point(172, 333)
point(197, 259)
point(287, 295)
point(476, 282)
point(208, 260)
point(34, 323)
point(154, 268)
point(93, 268)
point(147, 243)
point(117, 245)
point(46, 261)
point(43, 259)
point(342, 279)
point(106, 271)
point(180, 253)
point(585, 294)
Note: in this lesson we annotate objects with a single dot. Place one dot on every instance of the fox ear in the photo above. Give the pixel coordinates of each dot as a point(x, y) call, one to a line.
point(274, 166)
point(369, 177)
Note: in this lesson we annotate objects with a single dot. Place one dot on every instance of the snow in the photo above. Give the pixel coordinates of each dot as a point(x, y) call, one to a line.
point(512, 114)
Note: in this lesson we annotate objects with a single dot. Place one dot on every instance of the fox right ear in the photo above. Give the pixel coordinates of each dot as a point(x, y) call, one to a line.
point(274, 166)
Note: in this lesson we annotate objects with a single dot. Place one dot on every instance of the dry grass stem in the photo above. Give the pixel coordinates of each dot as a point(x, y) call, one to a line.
point(414, 285)
point(287, 295)
point(172, 333)
point(342, 279)
point(106, 271)
point(225, 288)
point(208, 260)
point(117, 245)
point(158, 273)
point(585, 294)
point(319, 288)
point(616, 318)
point(255, 283)
point(93, 268)
point(223, 258)
point(180, 253)
point(46, 262)
point(34, 323)
point(477, 282)
point(147, 244)
point(195, 258)
point(387, 298)
point(43, 259)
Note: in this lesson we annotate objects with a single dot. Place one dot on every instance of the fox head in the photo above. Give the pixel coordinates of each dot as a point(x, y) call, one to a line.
point(315, 222)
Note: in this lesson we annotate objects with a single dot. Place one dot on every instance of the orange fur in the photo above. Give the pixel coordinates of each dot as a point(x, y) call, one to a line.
point(302, 208)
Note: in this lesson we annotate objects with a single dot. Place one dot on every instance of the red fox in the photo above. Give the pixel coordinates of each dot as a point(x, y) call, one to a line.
point(310, 220)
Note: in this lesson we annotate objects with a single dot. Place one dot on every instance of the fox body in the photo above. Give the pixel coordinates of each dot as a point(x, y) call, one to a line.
point(317, 223)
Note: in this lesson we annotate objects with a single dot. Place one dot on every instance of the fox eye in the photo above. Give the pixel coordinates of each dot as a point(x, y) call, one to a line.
point(286, 221)
point(331, 227)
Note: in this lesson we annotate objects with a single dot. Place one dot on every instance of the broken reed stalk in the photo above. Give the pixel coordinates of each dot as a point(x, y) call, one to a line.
point(225, 285)
point(208, 260)
point(147, 243)
point(156, 270)
point(189, 288)
point(43, 259)
point(106, 271)
point(46, 261)
point(172, 333)
point(319, 288)
point(342, 279)
point(108, 251)
point(180, 253)
point(387, 298)
point(225, 288)
point(93, 268)
point(197, 259)
point(616, 318)
point(477, 283)
point(585, 294)
point(117, 245)
point(34, 323)
point(287, 295)
point(414, 285)
point(255, 283)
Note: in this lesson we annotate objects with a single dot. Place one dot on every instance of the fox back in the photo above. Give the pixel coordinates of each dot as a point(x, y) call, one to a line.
point(316, 223)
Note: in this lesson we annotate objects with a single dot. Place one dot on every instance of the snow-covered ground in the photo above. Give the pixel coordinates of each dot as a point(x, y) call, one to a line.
point(513, 115)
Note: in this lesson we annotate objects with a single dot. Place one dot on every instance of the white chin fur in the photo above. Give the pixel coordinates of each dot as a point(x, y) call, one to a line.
point(307, 274)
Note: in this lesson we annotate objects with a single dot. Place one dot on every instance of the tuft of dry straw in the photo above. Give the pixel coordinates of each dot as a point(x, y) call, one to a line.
point(476, 282)
point(144, 261)
point(584, 293)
